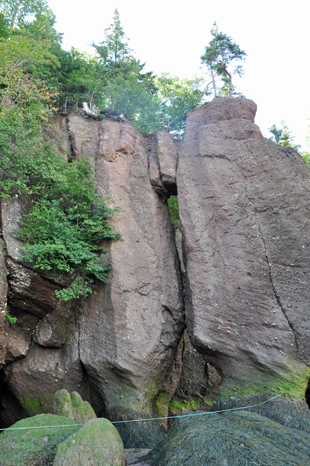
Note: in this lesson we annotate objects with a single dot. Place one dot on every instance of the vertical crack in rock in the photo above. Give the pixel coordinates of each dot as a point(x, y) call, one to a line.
point(72, 144)
point(268, 262)
point(274, 289)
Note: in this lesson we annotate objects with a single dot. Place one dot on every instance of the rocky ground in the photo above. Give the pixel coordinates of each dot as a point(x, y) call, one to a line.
point(133, 456)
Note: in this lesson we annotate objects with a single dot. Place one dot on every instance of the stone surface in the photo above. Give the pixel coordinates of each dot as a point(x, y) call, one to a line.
point(198, 385)
point(97, 443)
point(232, 439)
point(12, 210)
point(167, 154)
point(163, 158)
point(34, 446)
point(33, 380)
point(135, 456)
point(72, 406)
point(4, 325)
point(245, 220)
point(131, 328)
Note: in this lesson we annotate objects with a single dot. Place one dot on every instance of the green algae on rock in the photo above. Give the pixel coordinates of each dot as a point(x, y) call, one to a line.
point(35, 445)
point(97, 443)
point(72, 406)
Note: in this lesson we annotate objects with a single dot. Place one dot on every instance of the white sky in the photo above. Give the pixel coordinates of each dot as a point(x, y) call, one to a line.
point(171, 37)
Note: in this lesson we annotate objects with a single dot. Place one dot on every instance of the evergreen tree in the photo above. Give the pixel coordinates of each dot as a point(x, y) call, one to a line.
point(283, 136)
point(219, 55)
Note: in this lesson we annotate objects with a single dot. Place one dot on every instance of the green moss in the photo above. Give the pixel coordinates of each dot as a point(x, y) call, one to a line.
point(34, 406)
point(97, 442)
point(161, 405)
point(293, 384)
point(184, 405)
point(36, 446)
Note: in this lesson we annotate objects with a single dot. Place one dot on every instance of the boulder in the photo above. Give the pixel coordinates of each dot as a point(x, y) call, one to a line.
point(72, 406)
point(97, 443)
point(34, 443)
point(245, 222)
point(232, 439)
point(286, 411)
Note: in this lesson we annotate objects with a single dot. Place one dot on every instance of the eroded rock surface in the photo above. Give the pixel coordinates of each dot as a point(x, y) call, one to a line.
point(245, 219)
point(120, 350)
point(131, 328)
point(163, 158)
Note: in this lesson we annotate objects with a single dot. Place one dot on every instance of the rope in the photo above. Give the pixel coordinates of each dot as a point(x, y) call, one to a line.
point(151, 419)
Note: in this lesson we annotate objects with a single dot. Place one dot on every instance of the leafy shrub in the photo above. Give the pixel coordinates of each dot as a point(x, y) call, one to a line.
point(68, 219)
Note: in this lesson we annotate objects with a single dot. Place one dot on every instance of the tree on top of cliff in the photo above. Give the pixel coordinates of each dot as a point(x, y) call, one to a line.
point(113, 49)
point(218, 57)
point(126, 88)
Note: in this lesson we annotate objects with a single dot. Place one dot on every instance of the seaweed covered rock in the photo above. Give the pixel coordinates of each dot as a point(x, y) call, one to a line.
point(232, 439)
point(291, 413)
point(36, 445)
point(97, 443)
point(72, 406)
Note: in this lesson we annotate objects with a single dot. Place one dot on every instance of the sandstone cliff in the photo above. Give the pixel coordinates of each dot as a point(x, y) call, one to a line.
point(245, 221)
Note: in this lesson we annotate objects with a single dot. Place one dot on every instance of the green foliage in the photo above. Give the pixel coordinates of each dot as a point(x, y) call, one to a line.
point(283, 136)
point(17, 11)
point(19, 56)
point(173, 207)
point(177, 97)
point(221, 52)
point(68, 219)
point(4, 27)
point(12, 320)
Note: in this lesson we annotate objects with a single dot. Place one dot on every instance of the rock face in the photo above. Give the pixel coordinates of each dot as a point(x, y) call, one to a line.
point(120, 349)
point(129, 330)
point(4, 326)
point(199, 382)
point(245, 221)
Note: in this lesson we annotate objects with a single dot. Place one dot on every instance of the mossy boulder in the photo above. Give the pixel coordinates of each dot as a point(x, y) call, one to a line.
point(97, 443)
point(35, 445)
point(232, 439)
point(72, 406)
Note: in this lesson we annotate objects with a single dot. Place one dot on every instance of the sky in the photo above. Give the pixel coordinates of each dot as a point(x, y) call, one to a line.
point(170, 36)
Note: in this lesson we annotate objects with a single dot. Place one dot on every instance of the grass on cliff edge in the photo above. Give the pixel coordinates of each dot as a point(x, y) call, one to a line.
point(68, 219)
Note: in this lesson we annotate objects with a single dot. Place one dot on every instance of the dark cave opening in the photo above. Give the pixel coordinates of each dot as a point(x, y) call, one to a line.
point(307, 394)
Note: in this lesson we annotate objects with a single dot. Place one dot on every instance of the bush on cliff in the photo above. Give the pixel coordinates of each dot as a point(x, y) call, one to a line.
point(68, 218)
